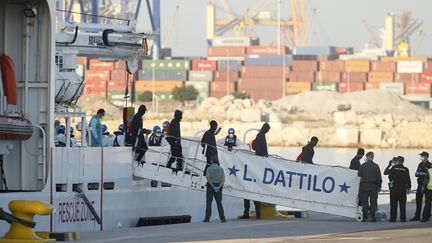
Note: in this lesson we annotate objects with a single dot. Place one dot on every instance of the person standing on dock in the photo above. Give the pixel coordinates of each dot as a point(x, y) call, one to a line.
point(215, 182)
point(308, 150)
point(208, 142)
point(370, 184)
point(355, 162)
point(400, 186)
point(174, 139)
point(427, 189)
point(421, 173)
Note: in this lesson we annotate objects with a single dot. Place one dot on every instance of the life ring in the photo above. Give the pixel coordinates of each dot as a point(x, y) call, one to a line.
point(9, 79)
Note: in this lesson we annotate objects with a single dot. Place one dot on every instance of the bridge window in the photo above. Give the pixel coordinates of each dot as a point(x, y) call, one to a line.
point(61, 187)
point(93, 186)
point(108, 186)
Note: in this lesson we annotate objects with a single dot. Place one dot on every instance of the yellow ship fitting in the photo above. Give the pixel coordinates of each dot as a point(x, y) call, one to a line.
point(26, 210)
point(269, 212)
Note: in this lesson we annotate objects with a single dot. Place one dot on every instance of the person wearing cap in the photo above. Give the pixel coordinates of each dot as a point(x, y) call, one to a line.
point(308, 150)
point(355, 162)
point(420, 173)
point(174, 139)
point(427, 189)
point(119, 136)
point(208, 143)
point(155, 138)
point(390, 165)
point(215, 182)
point(106, 136)
point(231, 139)
point(400, 186)
point(370, 184)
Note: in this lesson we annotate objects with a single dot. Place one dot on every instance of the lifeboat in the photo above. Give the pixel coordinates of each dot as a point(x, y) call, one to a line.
point(15, 128)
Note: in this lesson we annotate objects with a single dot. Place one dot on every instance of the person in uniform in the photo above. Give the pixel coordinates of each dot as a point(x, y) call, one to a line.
point(427, 189)
point(119, 136)
point(174, 139)
point(421, 174)
point(215, 181)
point(400, 186)
point(231, 139)
point(355, 162)
point(370, 184)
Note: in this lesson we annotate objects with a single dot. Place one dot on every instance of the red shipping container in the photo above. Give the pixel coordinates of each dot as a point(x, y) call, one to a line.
point(369, 86)
point(226, 51)
point(407, 77)
point(334, 77)
point(354, 77)
point(118, 75)
point(95, 64)
point(304, 66)
point(264, 72)
point(223, 75)
point(120, 65)
point(418, 88)
point(81, 61)
point(116, 86)
point(257, 95)
point(260, 84)
point(204, 65)
point(426, 77)
point(97, 75)
point(266, 50)
point(302, 76)
point(427, 67)
point(350, 87)
point(378, 66)
point(95, 92)
point(332, 66)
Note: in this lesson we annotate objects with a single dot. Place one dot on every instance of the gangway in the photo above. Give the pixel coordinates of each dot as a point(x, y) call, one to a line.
point(275, 180)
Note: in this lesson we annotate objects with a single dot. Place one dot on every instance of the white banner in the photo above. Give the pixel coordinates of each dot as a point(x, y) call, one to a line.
point(278, 178)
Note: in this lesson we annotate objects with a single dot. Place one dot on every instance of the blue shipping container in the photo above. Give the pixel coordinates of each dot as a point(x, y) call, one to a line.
point(315, 50)
point(232, 65)
point(276, 60)
point(162, 75)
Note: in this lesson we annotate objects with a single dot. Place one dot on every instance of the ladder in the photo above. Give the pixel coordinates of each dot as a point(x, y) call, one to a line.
point(275, 180)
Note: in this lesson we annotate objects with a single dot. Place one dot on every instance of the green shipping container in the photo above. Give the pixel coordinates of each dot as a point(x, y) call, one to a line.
point(325, 87)
point(175, 65)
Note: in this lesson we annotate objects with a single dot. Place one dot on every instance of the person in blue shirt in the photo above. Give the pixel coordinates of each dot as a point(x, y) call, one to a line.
point(96, 128)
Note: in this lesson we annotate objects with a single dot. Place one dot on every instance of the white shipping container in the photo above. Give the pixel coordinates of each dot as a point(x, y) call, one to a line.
point(202, 87)
point(201, 76)
point(409, 67)
point(398, 88)
point(231, 41)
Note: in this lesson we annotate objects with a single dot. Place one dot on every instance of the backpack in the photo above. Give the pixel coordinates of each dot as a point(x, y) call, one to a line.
point(254, 145)
point(168, 128)
point(300, 157)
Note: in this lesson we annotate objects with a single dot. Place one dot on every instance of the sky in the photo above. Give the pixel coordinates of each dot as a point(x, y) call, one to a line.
point(335, 22)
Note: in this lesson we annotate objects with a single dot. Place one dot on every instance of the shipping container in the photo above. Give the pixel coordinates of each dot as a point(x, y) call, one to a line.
point(396, 59)
point(102, 85)
point(221, 88)
point(97, 75)
point(426, 77)
point(162, 75)
point(95, 64)
point(369, 86)
point(427, 67)
point(245, 84)
point(201, 76)
point(379, 66)
point(359, 57)
point(328, 77)
point(409, 67)
point(120, 65)
point(116, 96)
point(264, 72)
point(418, 89)
point(257, 95)
point(325, 87)
point(159, 86)
point(241, 59)
point(332, 66)
point(354, 77)
point(99, 93)
point(275, 60)
point(354, 66)
point(350, 87)
point(297, 87)
point(203, 88)
point(315, 50)
point(204, 65)
point(229, 51)
point(305, 66)
point(82, 61)
point(166, 65)
point(380, 77)
point(302, 76)
point(266, 50)
point(119, 75)
point(231, 65)
point(344, 50)
point(407, 77)
point(233, 76)
point(305, 58)
point(223, 41)
point(398, 88)
point(325, 58)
